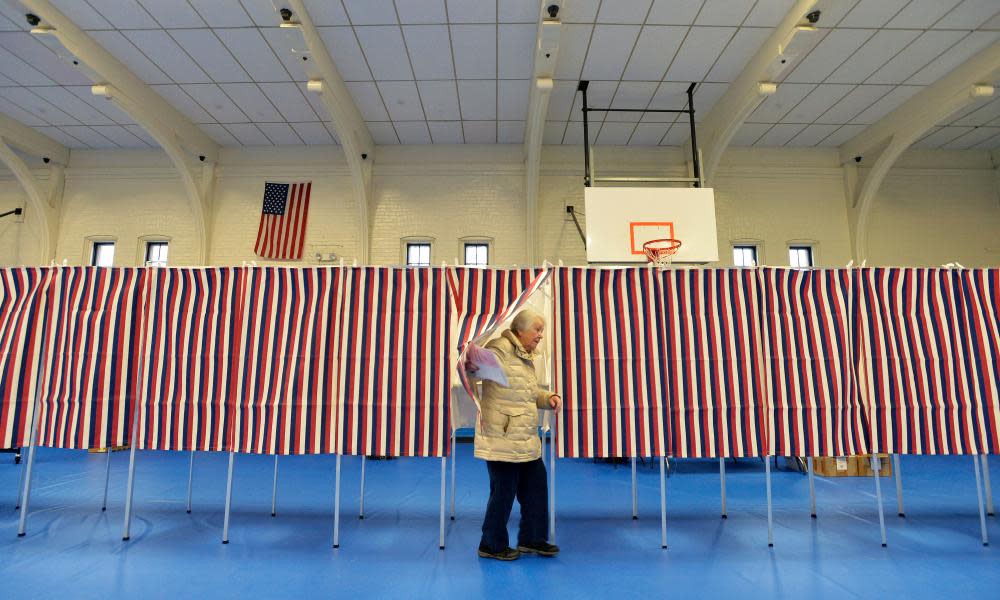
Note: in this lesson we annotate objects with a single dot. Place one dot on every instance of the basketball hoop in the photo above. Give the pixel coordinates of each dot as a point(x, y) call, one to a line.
point(661, 252)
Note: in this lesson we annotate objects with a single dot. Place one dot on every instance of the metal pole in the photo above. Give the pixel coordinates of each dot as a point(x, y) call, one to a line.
point(812, 486)
point(979, 495)
point(663, 502)
point(444, 477)
point(694, 137)
point(770, 519)
point(336, 507)
point(989, 489)
point(361, 509)
point(32, 438)
point(635, 494)
point(582, 87)
point(274, 489)
point(229, 500)
point(130, 486)
point(27, 474)
point(899, 486)
point(20, 486)
point(107, 477)
point(876, 465)
point(722, 484)
point(453, 475)
point(190, 480)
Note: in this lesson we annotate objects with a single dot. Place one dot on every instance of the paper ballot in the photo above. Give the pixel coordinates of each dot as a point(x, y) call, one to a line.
point(487, 365)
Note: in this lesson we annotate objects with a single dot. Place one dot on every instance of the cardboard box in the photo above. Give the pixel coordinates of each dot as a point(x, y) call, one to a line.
point(836, 466)
point(850, 466)
point(865, 465)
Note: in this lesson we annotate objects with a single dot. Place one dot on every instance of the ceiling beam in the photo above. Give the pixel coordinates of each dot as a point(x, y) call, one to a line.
point(32, 142)
point(353, 134)
point(755, 83)
point(69, 41)
point(893, 134)
point(198, 189)
point(546, 54)
point(44, 203)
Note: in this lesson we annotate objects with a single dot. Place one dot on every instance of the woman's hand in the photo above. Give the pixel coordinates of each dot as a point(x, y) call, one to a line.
point(555, 401)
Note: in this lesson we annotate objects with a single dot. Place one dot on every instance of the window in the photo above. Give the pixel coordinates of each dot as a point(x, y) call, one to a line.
point(103, 254)
point(477, 254)
point(745, 255)
point(156, 254)
point(800, 257)
point(418, 254)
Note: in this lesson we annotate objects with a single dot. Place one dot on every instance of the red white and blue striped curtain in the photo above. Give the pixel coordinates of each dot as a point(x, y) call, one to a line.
point(91, 357)
point(484, 298)
point(608, 340)
point(915, 371)
point(285, 370)
point(808, 336)
point(22, 307)
point(981, 289)
point(395, 358)
point(191, 333)
point(715, 380)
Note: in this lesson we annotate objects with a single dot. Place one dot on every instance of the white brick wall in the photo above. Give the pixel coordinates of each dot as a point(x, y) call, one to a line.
point(451, 192)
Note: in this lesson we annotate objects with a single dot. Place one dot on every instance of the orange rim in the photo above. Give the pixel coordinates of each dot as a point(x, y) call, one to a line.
point(661, 249)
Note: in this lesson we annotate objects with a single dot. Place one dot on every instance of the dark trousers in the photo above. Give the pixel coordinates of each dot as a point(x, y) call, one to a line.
point(527, 482)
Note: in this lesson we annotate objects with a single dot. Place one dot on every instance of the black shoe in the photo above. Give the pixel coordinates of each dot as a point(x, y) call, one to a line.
point(505, 554)
point(541, 549)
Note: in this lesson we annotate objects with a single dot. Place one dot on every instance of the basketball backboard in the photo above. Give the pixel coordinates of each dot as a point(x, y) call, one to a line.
point(621, 219)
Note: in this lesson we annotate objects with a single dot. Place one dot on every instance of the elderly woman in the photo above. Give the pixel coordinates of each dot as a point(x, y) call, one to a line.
point(507, 439)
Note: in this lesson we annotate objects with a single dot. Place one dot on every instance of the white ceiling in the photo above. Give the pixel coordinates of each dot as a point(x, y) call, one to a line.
point(454, 71)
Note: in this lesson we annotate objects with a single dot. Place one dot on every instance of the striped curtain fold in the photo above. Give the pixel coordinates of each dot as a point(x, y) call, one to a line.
point(394, 358)
point(915, 370)
point(608, 344)
point(809, 359)
point(191, 332)
point(90, 362)
point(286, 375)
point(714, 368)
point(981, 289)
point(23, 294)
point(484, 298)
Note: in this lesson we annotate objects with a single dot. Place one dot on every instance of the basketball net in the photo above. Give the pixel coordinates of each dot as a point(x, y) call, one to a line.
point(660, 253)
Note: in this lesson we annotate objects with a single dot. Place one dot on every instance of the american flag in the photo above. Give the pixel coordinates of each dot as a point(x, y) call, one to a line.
point(282, 228)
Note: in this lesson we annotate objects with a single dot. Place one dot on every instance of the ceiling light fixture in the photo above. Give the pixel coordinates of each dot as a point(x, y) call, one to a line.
point(981, 90)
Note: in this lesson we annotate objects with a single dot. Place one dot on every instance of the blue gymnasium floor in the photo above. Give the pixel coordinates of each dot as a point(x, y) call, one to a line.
point(72, 550)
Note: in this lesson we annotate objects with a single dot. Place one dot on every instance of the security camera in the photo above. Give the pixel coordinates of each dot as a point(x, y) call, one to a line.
point(364, 156)
point(553, 10)
point(201, 157)
point(32, 19)
point(813, 17)
point(45, 159)
point(286, 15)
point(857, 158)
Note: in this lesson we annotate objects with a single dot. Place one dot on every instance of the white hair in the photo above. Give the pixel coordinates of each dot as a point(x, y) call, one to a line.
point(525, 319)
